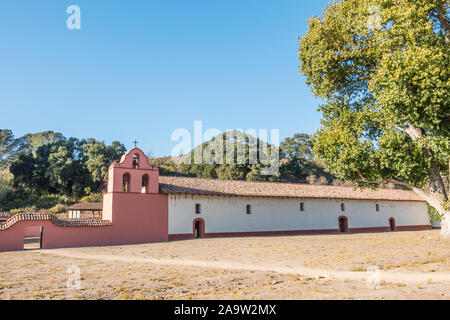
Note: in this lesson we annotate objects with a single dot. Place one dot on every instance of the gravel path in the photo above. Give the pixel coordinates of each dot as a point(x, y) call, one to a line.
point(408, 277)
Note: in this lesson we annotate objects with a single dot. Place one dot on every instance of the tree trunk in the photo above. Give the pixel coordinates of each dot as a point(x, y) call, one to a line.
point(442, 17)
point(435, 201)
point(445, 225)
point(437, 196)
point(437, 189)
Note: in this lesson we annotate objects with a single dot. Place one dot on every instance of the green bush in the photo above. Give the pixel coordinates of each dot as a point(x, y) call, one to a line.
point(94, 197)
point(47, 202)
point(5, 178)
point(59, 208)
point(21, 199)
point(434, 215)
point(17, 199)
point(31, 209)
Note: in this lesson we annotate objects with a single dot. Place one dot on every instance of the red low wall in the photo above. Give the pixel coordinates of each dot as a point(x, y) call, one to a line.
point(32, 231)
point(53, 236)
point(135, 219)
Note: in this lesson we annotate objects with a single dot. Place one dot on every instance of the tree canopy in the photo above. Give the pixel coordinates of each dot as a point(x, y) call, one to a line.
point(298, 147)
point(9, 147)
point(32, 141)
point(47, 167)
point(244, 163)
point(69, 167)
point(296, 162)
point(382, 69)
point(47, 163)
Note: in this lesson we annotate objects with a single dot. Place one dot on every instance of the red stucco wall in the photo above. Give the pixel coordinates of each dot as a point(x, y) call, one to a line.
point(135, 217)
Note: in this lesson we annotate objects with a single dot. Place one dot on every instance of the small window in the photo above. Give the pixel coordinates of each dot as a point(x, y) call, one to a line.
point(126, 182)
point(342, 206)
point(249, 209)
point(197, 208)
point(377, 207)
point(144, 183)
point(302, 206)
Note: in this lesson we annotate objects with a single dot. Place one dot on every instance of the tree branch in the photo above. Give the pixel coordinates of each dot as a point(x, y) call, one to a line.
point(431, 198)
point(442, 17)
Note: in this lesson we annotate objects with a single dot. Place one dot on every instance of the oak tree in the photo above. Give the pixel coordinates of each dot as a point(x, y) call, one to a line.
point(382, 69)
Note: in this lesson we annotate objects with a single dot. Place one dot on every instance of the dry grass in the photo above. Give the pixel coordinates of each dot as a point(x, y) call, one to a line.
point(39, 275)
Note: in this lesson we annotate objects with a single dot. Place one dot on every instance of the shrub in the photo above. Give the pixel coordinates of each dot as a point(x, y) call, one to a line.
point(434, 215)
point(50, 201)
point(31, 209)
point(59, 208)
point(94, 197)
point(47, 202)
point(5, 178)
point(17, 199)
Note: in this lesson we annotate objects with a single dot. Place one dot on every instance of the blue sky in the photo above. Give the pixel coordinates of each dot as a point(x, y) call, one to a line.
point(141, 69)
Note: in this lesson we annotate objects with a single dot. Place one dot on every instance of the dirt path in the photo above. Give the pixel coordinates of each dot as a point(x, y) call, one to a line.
point(375, 276)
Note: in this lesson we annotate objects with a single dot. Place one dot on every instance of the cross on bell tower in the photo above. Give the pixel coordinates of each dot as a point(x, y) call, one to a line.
point(135, 143)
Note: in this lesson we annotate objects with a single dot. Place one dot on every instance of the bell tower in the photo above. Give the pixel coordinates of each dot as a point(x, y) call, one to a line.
point(138, 212)
point(133, 174)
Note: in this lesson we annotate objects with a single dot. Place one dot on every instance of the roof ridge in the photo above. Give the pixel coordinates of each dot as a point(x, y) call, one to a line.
point(205, 186)
point(279, 182)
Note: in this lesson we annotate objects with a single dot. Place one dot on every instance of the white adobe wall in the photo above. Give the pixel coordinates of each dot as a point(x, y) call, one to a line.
point(228, 214)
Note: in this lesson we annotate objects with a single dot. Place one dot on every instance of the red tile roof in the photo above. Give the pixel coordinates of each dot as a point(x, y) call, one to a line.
point(87, 206)
point(183, 185)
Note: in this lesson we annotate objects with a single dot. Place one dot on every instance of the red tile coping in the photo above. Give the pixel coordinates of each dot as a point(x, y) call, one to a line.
point(57, 221)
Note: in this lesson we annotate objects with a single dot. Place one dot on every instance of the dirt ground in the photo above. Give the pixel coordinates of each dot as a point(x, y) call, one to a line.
point(396, 265)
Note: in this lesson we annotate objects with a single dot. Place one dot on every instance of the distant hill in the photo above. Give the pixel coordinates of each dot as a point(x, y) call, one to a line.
point(296, 163)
